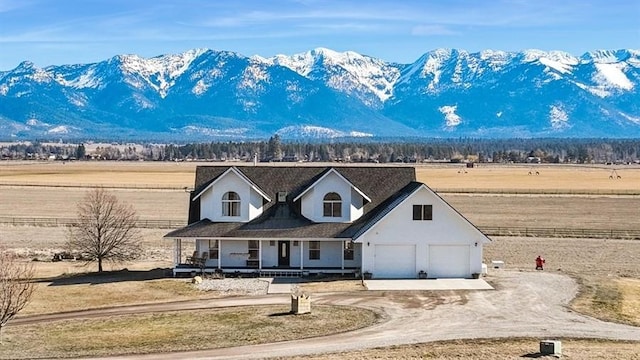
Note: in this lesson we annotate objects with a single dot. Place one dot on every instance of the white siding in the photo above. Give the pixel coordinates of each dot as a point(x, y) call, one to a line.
point(356, 207)
point(352, 202)
point(233, 253)
point(269, 254)
point(447, 228)
point(330, 254)
point(211, 200)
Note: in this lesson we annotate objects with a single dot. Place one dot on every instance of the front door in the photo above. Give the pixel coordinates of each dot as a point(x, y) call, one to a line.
point(284, 253)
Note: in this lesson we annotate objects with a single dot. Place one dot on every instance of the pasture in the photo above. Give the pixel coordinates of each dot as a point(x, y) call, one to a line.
point(442, 177)
point(490, 195)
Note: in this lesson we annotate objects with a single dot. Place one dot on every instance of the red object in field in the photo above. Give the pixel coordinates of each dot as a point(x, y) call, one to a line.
point(539, 263)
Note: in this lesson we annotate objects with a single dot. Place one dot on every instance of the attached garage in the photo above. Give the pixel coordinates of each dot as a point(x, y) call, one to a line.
point(395, 262)
point(449, 261)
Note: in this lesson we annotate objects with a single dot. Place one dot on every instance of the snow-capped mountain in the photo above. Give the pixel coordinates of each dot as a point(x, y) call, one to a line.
point(204, 94)
point(370, 80)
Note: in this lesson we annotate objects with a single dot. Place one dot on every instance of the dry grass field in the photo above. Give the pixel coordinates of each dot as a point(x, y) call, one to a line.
point(132, 174)
point(551, 178)
point(607, 269)
point(449, 177)
point(178, 331)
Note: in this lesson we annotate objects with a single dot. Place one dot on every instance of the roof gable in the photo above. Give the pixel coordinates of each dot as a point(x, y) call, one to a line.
point(324, 176)
point(233, 170)
point(398, 199)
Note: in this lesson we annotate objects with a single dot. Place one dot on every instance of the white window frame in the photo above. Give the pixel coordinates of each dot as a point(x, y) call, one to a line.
point(348, 250)
point(334, 208)
point(314, 250)
point(231, 206)
point(214, 249)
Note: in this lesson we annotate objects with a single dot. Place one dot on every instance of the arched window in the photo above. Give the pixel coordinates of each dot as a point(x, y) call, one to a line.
point(332, 205)
point(231, 204)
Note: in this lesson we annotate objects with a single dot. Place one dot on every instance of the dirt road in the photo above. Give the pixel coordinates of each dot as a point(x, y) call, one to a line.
point(524, 304)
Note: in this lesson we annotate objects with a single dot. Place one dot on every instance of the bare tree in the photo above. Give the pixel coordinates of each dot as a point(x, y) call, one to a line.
point(16, 287)
point(106, 229)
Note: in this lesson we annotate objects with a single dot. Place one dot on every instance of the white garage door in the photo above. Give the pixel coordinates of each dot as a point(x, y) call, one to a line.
point(449, 261)
point(395, 262)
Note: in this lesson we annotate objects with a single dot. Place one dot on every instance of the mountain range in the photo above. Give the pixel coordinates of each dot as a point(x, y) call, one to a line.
point(205, 94)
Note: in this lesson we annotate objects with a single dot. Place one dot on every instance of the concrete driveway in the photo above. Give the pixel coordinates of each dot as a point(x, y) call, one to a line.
point(285, 286)
point(430, 284)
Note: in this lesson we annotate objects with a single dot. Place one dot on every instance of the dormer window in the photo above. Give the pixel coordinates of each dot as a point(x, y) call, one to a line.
point(332, 205)
point(231, 204)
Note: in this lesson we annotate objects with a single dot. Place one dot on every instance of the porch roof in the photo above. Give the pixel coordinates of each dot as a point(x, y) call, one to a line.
point(286, 230)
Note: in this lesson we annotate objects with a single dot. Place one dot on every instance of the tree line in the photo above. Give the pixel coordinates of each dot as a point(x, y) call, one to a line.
point(356, 151)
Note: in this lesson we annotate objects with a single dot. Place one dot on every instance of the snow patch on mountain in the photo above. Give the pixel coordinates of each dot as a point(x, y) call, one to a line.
point(601, 57)
point(204, 80)
point(612, 75)
point(206, 131)
point(558, 117)
point(317, 132)
point(432, 67)
point(451, 118)
point(359, 134)
point(142, 102)
point(253, 76)
point(294, 92)
point(633, 119)
point(496, 60)
point(4, 89)
point(599, 91)
point(62, 129)
point(88, 79)
point(37, 123)
point(159, 72)
point(200, 88)
point(76, 99)
point(556, 65)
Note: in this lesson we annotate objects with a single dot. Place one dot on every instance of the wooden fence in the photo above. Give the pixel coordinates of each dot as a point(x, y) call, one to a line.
point(485, 191)
point(96, 185)
point(633, 234)
point(561, 232)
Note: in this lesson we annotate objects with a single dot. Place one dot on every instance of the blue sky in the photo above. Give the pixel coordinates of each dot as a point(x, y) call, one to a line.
point(50, 32)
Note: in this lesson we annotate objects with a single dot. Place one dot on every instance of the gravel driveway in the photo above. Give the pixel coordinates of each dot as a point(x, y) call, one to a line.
point(524, 304)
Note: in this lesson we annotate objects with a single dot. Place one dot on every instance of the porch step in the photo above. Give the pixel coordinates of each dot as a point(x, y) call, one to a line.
point(276, 273)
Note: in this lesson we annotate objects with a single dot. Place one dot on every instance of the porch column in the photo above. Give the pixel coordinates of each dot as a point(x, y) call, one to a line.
point(301, 254)
point(260, 255)
point(177, 252)
point(219, 254)
point(342, 254)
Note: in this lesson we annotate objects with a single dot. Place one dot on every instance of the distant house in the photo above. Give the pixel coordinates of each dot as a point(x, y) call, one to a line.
point(276, 220)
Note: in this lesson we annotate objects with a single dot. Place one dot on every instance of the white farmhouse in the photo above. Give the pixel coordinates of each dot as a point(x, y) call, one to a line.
point(275, 221)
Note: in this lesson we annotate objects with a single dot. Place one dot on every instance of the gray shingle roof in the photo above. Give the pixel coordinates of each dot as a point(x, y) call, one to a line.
point(283, 220)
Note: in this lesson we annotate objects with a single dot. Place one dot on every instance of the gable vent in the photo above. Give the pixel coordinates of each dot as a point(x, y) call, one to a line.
point(282, 196)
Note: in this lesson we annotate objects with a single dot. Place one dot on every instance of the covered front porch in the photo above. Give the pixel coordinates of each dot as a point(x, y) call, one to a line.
point(266, 257)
